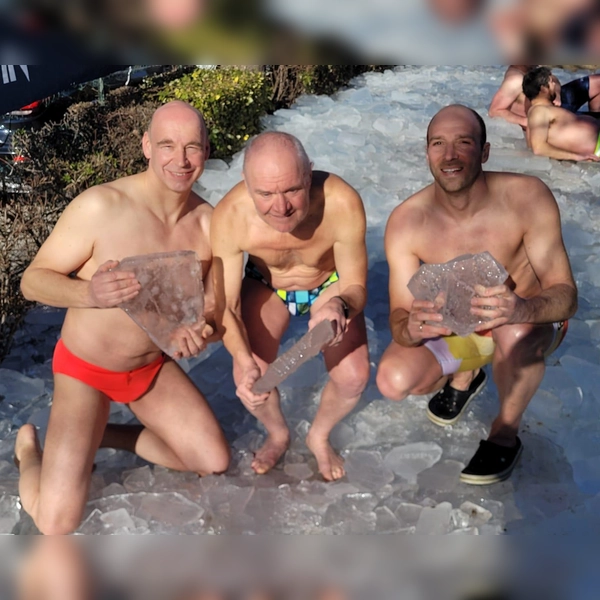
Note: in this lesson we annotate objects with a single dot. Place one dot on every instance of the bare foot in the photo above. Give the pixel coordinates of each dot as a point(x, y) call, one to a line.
point(330, 463)
point(268, 455)
point(27, 441)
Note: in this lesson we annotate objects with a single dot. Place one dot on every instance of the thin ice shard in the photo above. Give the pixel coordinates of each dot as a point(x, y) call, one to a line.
point(172, 294)
point(455, 281)
point(309, 345)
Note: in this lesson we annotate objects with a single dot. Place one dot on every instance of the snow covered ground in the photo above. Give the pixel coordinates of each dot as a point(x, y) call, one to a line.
point(402, 470)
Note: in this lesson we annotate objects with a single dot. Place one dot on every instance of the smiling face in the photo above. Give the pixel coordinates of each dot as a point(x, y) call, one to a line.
point(176, 146)
point(454, 150)
point(278, 184)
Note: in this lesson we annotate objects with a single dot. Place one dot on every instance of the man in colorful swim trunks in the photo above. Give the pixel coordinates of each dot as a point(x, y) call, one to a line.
point(304, 233)
point(103, 355)
point(466, 210)
point(554, 131)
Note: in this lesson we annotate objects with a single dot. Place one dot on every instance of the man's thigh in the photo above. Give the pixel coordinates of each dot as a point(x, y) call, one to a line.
point(265, 317)
point(77, 421)
point(177, 412)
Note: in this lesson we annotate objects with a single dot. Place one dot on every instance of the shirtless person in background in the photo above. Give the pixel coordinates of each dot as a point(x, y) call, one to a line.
point(511, 104)
point(102, 354)
point(555, 131)
point(467, 211)
point(304, 232)
point(509, 101)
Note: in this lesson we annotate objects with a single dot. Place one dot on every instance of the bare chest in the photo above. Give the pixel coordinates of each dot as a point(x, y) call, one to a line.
point(148, 236)
point(502, 237)
point(282, 252)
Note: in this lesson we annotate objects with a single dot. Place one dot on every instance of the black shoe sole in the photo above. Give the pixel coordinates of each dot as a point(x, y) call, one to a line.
point(496, 477)
point(443, 422)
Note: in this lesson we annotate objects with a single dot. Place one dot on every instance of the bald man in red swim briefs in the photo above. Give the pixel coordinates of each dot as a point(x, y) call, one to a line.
point(103, 355)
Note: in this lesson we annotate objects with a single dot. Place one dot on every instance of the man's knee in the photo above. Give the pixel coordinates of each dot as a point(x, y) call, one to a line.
point(216, 462)
point(353, 379)
point(220, 459)
point(58, 522)
point(392, 381)
point(522, 340)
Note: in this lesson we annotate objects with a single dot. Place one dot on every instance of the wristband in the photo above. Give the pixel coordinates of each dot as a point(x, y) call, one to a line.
point(344, 305)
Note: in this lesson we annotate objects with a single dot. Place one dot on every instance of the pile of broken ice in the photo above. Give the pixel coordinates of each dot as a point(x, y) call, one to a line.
point(402, 471)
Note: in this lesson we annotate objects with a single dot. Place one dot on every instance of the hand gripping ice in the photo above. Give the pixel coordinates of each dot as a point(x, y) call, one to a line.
point(454, 281)
point(172, 294)
point(308, 346)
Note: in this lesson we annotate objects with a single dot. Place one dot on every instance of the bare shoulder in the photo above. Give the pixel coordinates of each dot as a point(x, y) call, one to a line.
point(341, 201)
point(523, 192)
point(334, 188)
point(233, 204)
point(99, 200)
point(409, 216)
point(539, 112)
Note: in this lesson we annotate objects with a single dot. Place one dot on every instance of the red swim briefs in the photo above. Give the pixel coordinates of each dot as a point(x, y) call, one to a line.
point(119, 386)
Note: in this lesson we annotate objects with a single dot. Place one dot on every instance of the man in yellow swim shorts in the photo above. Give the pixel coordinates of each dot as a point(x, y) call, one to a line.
point(466, 210)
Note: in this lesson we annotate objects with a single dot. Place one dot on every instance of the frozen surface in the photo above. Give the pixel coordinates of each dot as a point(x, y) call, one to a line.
point(307, 347)
point(452, 285)
point(172, 294)
point(402, 469)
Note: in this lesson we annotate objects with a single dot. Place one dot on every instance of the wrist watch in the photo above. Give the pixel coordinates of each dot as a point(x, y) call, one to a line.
point(345, 306)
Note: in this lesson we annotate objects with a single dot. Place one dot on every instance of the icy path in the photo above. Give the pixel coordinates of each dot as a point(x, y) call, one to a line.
point(402, 469)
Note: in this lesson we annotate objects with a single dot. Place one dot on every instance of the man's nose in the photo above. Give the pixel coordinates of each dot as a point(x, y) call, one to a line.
point(450, 151)
point(181, 157)
point(281, 203)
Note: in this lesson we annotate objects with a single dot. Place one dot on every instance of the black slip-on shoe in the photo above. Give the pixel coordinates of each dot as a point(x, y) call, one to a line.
point(448, 405)
point(491, 463)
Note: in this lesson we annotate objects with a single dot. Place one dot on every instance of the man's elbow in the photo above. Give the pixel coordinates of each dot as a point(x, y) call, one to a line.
point(26, 285)
point(538, 150)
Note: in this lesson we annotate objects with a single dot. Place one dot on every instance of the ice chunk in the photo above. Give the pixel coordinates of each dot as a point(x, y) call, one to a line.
point(10, 512)
point(477, 514)
point(308, 346)
point(17, 388)
point(171, 509)
point(298, 471)
point(435, 520)
point(454, 283)
point(409, 460)
point(171, 296)
point(386, 520)
point(366, 469)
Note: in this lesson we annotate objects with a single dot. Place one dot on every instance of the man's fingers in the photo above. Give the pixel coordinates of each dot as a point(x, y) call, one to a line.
point(108, 265)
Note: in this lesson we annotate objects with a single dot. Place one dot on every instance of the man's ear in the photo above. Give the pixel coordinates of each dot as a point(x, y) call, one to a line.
point(146, 146)
point(485, 154)
point(207, 149)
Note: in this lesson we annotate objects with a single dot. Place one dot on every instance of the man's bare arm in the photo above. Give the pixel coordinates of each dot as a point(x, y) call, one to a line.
point(228, 262)
point(503, 100)
point(547, 255)
point(67, 248)
point(350, 251)
point(539, 128)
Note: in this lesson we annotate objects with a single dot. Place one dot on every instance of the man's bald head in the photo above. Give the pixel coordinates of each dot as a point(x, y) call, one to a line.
point(177, 109)
point(273, 144)
point(464, 110)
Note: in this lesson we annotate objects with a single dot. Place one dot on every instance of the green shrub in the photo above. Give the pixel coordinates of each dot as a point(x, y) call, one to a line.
point(232, 101)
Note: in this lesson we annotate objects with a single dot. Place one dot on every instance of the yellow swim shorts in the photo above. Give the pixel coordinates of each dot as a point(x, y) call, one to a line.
point(455, 353)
